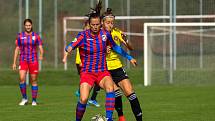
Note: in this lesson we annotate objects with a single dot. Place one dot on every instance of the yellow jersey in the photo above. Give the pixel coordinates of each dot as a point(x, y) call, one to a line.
point(112, 58)
point(78, 58)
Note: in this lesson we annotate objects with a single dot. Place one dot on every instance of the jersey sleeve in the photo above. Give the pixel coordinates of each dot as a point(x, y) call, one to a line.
point(78, 58)
point(117, 48)
point(39, 40)
point(76, 42)
point(110, 40)
point(18, 40)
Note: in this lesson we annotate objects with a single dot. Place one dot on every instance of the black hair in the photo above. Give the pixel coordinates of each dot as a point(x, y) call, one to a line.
point(108, 12)
point(95, 12)
point(27, 20)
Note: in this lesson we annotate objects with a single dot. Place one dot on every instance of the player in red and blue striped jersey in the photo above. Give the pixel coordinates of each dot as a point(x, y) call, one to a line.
point(92, 44)
point(26, 46)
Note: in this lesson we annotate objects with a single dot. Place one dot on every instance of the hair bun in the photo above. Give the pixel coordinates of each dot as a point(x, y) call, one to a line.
point(109, 10)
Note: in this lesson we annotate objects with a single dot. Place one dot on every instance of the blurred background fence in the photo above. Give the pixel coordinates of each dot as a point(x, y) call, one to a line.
point(48, 16)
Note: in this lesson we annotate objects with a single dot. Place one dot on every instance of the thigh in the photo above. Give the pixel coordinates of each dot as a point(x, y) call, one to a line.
point(126, 86)
point(22, 75)
point(23, 66)
point(33, 68)
point(102, 75)
point(107, 84)
point(89, 78)
point(84, 92)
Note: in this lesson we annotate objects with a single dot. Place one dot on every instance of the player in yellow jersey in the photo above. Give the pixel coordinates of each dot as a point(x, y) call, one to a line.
point(117, 72)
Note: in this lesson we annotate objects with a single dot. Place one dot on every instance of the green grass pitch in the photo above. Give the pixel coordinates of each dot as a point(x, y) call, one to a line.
point(58, 102)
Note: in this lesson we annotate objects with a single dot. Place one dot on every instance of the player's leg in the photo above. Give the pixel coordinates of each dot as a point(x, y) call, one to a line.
point(81, 106)
point(33, 70)
point(34, 88)
point(127, 88)
point(108, 85)
point(77, 92)
point(22, 84)
point(118, 103)
point(117, 76)
point(86, 83)
point(93, 100)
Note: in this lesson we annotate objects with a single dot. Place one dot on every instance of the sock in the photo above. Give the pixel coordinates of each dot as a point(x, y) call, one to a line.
point(118, 102)
point(80, 109)
point(22, 87)
point(34, 91)
point(109, 105)
point(135, 105)
point(95, 92)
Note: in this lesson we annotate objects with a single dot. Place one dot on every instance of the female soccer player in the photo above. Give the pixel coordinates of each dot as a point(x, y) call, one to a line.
point(118, 74)
point(26, 46)
point(78, 63)
point(92, 44)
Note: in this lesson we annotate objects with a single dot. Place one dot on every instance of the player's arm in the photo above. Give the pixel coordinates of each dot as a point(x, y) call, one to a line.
point(16, 53)
point(71, 46)
point(41, 52)
point(65, 57)
point(126, 42)
point(120, 51)
point(123, 38)
point(40, 44)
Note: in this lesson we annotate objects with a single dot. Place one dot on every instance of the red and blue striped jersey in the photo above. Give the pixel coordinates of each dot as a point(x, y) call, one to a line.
point(92, 49)
point(27, 44)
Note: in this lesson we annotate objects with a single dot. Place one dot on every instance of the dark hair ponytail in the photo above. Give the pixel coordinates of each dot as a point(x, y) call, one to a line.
point(95, 12)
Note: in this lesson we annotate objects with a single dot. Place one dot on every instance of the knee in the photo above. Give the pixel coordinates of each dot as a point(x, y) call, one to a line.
point(127, 88)
point(128, 92)
point(33, 82)
point(22, 80)
point(109, 88)
point(83, 100)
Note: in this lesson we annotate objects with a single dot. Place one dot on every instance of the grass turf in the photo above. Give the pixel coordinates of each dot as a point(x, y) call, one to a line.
point(159, 103)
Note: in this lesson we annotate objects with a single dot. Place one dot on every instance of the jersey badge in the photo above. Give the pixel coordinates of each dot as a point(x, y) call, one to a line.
point(104, 37)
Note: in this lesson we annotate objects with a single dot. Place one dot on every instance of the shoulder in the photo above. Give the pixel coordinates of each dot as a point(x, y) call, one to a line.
point(103, 31)
point(20, 33)
point(82, 33)
point(117, 30)
point(35, 34)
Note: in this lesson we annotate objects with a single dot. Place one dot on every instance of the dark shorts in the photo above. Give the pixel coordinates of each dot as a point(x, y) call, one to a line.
point(118, 75)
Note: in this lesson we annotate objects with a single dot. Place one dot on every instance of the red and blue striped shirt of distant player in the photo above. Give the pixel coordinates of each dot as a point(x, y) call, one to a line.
point(92, 49)
point(27, 44)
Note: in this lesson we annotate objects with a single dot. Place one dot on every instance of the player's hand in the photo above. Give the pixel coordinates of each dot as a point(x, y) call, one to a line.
point(134, 62)
point(69, 49)
point(14, 67)
point(64, 59)
point(108, 49)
